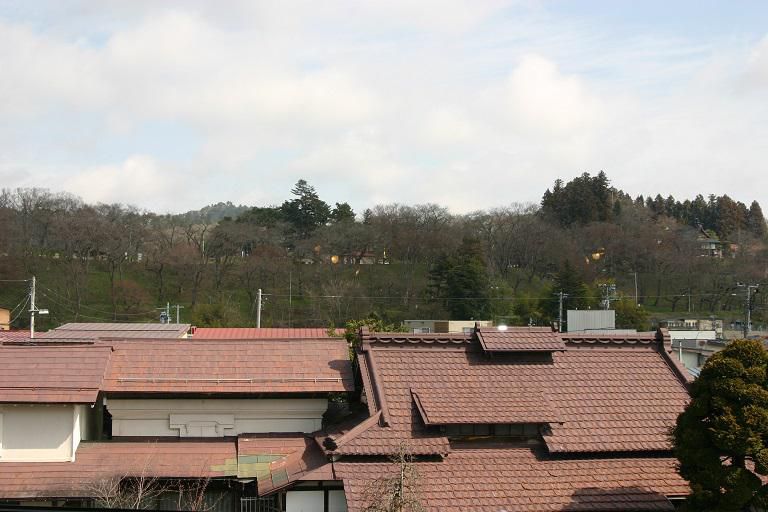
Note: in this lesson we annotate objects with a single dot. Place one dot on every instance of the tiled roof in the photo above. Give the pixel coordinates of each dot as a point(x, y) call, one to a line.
point(56, 374)
point(615, 398)
point(519, 339)
point(421, 339)
point(608, 338)
point(277, 460)
point(99, 461)
point(471, 404)
point(252, 366)
point(13, 335)
point(607, 398)
point(115, 330)
point(496, 478)
point(253, 333)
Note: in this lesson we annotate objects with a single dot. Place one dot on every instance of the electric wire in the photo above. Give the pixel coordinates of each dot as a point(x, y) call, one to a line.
point(26, 301)
point(74, 303)
point(72, 310)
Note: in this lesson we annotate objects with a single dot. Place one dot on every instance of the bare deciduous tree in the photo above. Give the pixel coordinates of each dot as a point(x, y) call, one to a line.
point(398, 492)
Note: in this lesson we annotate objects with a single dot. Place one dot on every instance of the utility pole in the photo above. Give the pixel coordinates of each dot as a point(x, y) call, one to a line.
point(32, 309)
point(165, 313)
point(748, 306)
point(636, 294)
point(560, 295)
point(258, 310)
point(608, 290)
point(177, 312)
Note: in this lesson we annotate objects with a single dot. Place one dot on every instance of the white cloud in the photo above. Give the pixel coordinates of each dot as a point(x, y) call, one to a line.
point(470, 104)
point(139, 180)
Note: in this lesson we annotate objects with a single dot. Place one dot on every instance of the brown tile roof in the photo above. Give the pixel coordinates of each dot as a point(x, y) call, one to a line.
point(278, 460)
point(122, 330)
point(607, 338)
point(13, 335)
point(55, 374)
point(607, 398)
point(252, 366)
point(253, 333)
point(456, 405)
point(519, 339)
point(496, 478)
point(420, 339)
point(614, 398)
point(98, 461)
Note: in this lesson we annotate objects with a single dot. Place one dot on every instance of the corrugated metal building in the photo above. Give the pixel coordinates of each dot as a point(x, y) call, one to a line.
point(590, 320)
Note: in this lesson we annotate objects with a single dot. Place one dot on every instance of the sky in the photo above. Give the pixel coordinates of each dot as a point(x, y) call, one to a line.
point(472, 104)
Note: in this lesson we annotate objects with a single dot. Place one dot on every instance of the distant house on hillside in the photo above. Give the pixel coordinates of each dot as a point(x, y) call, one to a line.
point(711, 246)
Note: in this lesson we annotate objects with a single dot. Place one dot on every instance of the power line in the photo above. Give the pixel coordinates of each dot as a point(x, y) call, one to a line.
point(26, 301)
point(400, 297)
point(62, 297)
point(72, 310)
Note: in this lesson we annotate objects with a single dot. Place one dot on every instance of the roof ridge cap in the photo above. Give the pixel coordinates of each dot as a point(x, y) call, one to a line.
point(355, 431)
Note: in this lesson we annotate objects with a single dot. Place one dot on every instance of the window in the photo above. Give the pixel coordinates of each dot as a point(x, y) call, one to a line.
point(525, 430)
point(421, 330)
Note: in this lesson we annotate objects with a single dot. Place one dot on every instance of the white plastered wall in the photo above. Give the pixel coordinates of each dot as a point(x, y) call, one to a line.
point(214, 417)
point(38, 433)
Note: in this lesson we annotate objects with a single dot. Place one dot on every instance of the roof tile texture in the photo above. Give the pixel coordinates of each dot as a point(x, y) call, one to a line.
point(607, 398)
point(103, 460)
point(253, 366)
point(55, 374)
point(494, 479)
point(122, 330)
point(253, 333)
point(520, 339)
point(624, 398)
point(277, 460)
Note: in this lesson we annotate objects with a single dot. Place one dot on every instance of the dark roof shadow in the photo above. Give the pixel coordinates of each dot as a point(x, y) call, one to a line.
point(619, 498)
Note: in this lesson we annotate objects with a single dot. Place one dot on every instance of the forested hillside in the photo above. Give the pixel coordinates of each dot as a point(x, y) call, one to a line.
point(319, 263)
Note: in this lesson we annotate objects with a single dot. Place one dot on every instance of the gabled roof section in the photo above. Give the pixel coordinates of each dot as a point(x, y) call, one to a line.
point(519, 339)
point(52, 374)
point(619, 396)
point(97, 330)
point(221, 367)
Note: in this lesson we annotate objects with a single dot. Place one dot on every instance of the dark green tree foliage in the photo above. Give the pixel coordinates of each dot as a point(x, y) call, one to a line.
point(261, 216)
point(582, 200)
point(306, 212)
point(756, 220)
point(731, 216)
point(569, 281)
point(630, 315)
point(721, 439)
point(467, 283)
point(461, 282)
point(342, 212)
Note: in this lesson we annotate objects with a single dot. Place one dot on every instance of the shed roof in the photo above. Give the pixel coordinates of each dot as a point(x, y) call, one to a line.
point(52, 374)
point(242, 366)
point(97, 462)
